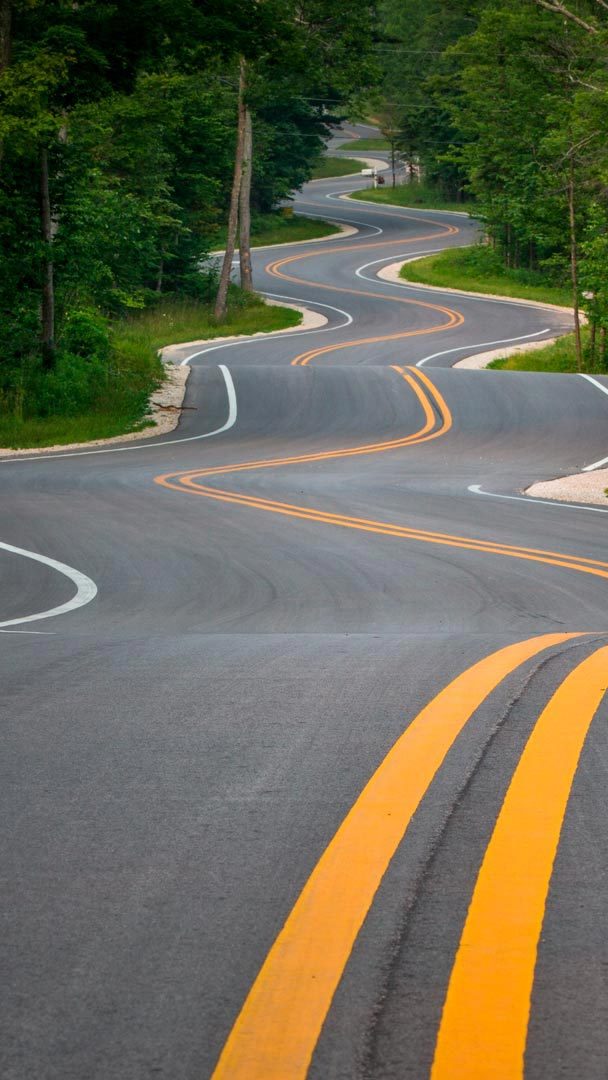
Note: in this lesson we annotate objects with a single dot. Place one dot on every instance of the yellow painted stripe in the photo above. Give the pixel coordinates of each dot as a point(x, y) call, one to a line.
point(324, 455)
point(485, 1017)
point(277, 1030)
point(186, 484)
point(422, 435)
point(454, 318)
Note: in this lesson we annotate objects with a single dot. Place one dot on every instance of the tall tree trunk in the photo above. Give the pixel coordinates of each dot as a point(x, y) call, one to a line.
point(574, 266)
point(603, 357)
point(245, 207)
point(222, 292)
point(5, 43)
point(48, 284)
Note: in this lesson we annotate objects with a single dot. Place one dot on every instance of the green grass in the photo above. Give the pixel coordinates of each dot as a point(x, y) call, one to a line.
point(186, 320)
point(283, 227)
point(479, 269)
point(560, 356)
point(135, 370)
point(329, 167)
point(63, 430)
point(365, 144)
point(420, 196)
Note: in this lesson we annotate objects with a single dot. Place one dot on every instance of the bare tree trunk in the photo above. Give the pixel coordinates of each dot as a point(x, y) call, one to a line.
point(245, 207)
point(222, 292)
point(48, 284)
point(574, 267)
point(5, 43)
point(603, 349)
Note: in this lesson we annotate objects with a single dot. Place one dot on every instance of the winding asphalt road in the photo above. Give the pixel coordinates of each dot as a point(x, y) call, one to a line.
point(306, 773)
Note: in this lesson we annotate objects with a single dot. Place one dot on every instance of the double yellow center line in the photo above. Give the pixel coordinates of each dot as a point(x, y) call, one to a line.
point(484, 1025)
point(452, 318)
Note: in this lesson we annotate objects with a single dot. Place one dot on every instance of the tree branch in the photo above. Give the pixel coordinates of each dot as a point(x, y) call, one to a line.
point(559, 9)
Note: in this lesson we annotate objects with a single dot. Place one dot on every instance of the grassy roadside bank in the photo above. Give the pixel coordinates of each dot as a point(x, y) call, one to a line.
point(330, 167)
point(479, 269)
point(283, 228)
point(97, 397)
point(417, 196)
point(560, 357)
point(365, 144)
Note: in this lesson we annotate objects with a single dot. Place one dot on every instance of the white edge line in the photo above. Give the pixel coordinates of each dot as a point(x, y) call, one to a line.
point(254, 339)
point(596, 465)
point(604, 389)
point(411, 255)
point(86, 589)
point(339, 221)
point(232, 414)
point(557, 505)
point(418, 210)
point(483, 345)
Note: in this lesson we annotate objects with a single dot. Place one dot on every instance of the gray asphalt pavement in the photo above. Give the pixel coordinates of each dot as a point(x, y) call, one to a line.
point(179, 752)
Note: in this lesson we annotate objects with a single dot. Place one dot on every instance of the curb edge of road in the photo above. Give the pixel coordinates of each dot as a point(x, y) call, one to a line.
point(311, 320)
point(395, 206)
point(343, 231)
point(521, 301)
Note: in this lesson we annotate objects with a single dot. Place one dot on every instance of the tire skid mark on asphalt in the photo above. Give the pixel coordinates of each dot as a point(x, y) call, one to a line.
point(279, 1025)
point(483, 1030)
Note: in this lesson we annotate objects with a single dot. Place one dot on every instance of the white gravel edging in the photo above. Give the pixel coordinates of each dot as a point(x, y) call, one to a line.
point(164, 413)
point(395, 206)
point(482, 360)
point(343, 230)
point(580, 488)
point(392, 273)
point(310, 321)
point(370, 163)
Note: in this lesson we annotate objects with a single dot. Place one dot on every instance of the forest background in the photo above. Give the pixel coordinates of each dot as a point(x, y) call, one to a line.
point(118, 133)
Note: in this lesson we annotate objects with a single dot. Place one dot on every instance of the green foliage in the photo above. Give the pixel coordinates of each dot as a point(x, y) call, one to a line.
point(415, 194)
point(283, 227)
point(481, 269)
point(329, 167)
point(105, 392)
point(365, 144)
point(560, 357)
point(125, 116)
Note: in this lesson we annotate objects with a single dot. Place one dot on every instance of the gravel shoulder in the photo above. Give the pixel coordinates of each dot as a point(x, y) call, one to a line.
point(580, 488)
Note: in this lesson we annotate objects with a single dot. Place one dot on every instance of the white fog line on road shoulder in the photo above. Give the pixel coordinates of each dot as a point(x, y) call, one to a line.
point(411, 255)
point(476, 489)
point(483, 345)
point(596, 465)
point(232, 414)
point(86, 589)
point(255, 339)
point(604, 389)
